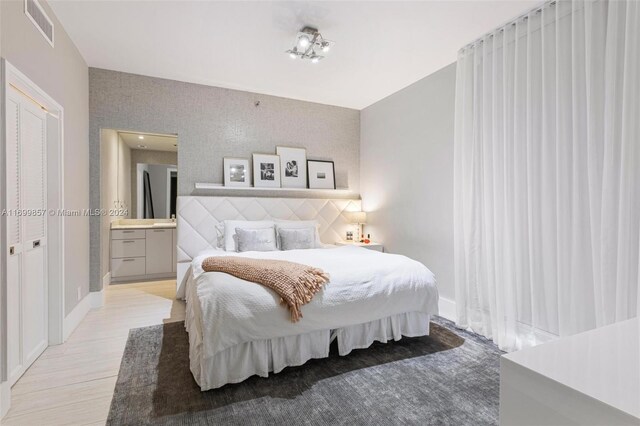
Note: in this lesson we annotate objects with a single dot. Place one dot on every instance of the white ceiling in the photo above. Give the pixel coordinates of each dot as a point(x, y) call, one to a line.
point(151, 141)
point(380, 47)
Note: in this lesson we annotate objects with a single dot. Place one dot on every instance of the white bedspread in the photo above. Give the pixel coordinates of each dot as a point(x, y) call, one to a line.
point(365, 285)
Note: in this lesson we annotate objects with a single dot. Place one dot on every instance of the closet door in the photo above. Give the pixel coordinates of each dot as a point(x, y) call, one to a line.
point(27, 287)
point(33, 124)
point(14, 240)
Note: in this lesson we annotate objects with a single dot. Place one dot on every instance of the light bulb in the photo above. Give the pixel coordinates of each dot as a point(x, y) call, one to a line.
point(303, 41)
point(325, 49)
point(140, 137)
point(315, 60)
point(293, 55)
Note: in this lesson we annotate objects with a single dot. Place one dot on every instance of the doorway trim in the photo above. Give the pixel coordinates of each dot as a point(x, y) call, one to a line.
point(11, 76)
point(169, 171)
point(139, 191)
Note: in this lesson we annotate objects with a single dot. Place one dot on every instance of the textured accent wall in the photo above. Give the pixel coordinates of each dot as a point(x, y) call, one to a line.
point(146, 156)
point(212, 123)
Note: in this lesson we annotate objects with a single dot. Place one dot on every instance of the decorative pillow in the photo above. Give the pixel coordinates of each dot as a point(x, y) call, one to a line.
point(230, 240)
point(220, 234)
point(297, 224)
point(256, 239)
point(297, 238)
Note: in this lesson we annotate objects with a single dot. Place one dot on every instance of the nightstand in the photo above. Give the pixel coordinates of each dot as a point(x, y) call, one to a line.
point(371, 246)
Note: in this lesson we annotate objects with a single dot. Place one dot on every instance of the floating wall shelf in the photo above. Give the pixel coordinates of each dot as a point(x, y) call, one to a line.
point(340, 192)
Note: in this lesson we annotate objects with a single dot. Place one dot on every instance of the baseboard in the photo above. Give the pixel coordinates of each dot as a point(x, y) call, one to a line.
point(447, 308)
point(106, 280)
point(75, 317)
point(143, 278)
point(97, 299)
point(5, 398)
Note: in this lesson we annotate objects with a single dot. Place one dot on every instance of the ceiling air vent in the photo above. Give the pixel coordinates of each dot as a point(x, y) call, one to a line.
point(36, 14)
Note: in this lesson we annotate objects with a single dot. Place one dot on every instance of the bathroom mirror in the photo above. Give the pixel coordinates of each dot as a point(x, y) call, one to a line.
point(156, 192)
point(138, 175)
point(154, 174)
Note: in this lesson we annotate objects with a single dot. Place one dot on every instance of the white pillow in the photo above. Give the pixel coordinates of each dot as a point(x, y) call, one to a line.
point(262, 239)
point(297, 224)
point(230, 226)
point(220, 234)
point(297, 238)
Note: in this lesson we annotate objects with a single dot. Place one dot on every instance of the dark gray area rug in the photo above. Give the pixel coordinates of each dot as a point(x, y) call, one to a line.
point(448, 378)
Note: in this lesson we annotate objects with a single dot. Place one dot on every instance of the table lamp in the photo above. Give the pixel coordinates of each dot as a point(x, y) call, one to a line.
point(358, 218)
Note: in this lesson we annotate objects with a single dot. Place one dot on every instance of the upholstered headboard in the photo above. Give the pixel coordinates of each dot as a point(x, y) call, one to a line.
point(198, 216)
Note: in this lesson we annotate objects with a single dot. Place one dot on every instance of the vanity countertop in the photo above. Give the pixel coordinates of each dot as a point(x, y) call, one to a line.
point(142, 224)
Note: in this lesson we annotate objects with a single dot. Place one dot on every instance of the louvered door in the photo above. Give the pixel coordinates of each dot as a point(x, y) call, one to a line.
point(27, 289)
point(14, 240)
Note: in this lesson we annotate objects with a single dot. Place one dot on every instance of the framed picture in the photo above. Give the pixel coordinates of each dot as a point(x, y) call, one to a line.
point(237, 172)
point(321, 174)
point(266, 171)
point(293, 166)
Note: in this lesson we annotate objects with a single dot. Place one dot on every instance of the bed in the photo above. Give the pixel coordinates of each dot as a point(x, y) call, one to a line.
point(238, 329)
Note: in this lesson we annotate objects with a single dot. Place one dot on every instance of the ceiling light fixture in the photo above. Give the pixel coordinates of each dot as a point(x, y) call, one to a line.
point(303, 41)
point(142, 146)
point(140, 137)
point(307, 41)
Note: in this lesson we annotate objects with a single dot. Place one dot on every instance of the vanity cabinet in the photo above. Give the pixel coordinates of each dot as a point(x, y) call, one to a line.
point(159, 252)
point(127, 267)
point(174, 251)
point(125, 234)
point(141, 254)
point(127, 248)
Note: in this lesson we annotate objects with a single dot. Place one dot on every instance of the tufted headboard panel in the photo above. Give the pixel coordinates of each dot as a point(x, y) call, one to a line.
point(198, 216)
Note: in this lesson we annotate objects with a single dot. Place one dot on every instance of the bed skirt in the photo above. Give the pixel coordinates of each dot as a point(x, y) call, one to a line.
point(261, 357)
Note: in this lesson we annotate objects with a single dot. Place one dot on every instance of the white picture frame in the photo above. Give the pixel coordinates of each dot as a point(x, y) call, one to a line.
point(321, 174)
point(266, 171)
point(293, 166)
point(237, 172)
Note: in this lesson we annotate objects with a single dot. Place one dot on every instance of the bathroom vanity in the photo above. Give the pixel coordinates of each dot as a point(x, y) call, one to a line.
point(143, 250)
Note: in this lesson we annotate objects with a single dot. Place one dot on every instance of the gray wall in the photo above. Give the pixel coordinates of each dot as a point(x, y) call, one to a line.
point(406, 160)
point(62, 73)
point(146, 156)
point(212, 123)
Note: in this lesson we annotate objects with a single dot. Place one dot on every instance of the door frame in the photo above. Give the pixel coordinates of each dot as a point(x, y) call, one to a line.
point(169, 171)
point(139, 188)
point(11, 76)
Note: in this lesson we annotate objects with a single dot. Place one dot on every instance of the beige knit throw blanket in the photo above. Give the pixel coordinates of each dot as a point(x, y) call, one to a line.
point(296, 284)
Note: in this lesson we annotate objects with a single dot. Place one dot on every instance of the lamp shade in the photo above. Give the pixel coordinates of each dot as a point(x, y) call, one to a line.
point(358, 217)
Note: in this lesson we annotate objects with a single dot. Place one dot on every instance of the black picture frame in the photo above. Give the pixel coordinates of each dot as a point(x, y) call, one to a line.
point(311, 180)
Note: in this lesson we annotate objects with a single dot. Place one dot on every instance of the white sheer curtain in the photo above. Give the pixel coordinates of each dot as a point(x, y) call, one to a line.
point(547, 173)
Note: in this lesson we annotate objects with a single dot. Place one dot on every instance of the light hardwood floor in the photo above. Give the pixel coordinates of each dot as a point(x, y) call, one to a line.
point(72, 383)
